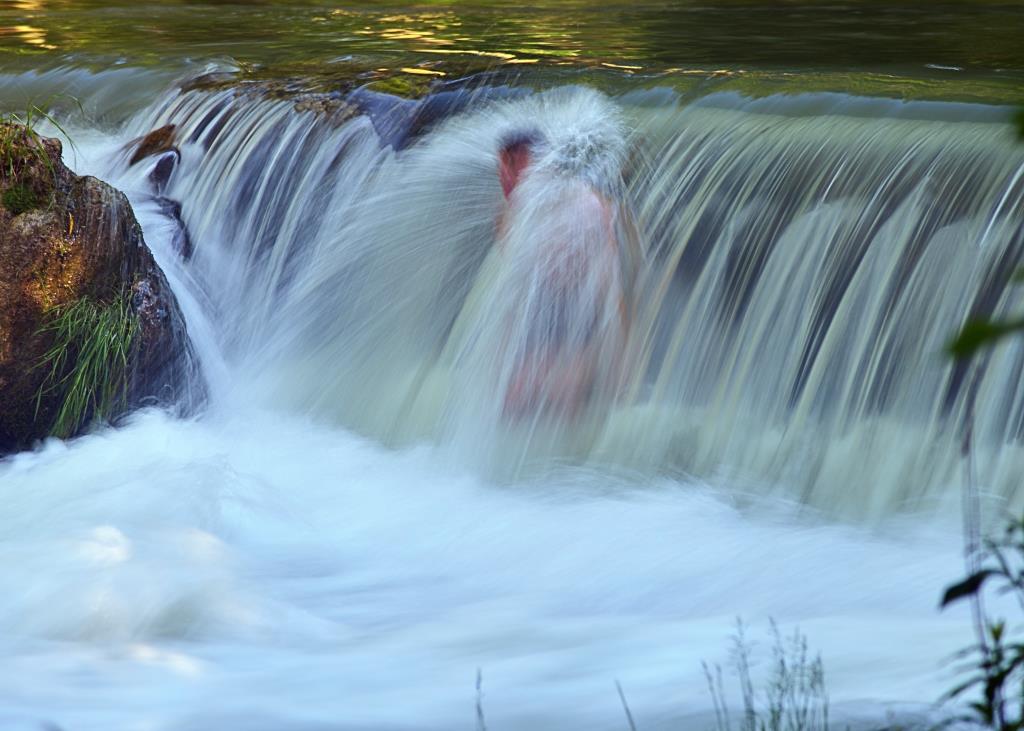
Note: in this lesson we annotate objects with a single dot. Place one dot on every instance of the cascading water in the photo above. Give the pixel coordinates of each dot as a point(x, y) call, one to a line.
point(803, 262)
point(809, 272)
point(802, 276)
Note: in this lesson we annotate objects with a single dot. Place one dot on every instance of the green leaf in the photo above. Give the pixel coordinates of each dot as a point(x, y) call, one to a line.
point(968, 587)
point(977, 334)
point(964, 686)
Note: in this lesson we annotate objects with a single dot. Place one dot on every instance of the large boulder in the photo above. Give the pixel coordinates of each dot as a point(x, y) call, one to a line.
point(89, 327)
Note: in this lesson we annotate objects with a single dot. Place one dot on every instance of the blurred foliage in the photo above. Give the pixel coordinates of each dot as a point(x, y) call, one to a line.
point(996, 664)
point(978, 334)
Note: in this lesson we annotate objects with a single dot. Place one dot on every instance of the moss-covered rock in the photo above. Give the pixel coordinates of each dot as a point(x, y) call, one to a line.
point(81, 242)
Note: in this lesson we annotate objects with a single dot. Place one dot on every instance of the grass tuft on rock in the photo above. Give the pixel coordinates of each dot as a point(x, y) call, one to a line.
point(28, 174)
point(88, 361)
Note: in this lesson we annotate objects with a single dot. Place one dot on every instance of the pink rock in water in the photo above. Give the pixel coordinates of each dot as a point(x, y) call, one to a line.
point(569, 327)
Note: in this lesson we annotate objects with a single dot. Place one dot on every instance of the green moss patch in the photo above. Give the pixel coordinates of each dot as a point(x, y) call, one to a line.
point(19, 198)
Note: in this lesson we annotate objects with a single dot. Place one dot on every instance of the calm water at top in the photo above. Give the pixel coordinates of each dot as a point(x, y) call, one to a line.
point(965, 50)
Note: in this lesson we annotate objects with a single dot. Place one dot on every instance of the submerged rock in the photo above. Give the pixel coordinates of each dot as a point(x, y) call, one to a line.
point(399, 122)
point(160, 144)
point(89, 327)
point(158, 141)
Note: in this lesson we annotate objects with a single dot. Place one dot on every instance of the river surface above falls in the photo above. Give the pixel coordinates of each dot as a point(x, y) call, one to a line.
point(963, 49)
point(269, 565)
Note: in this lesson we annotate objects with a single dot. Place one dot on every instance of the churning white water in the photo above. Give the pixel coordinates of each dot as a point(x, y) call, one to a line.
point(340, 541)
point(255, 570)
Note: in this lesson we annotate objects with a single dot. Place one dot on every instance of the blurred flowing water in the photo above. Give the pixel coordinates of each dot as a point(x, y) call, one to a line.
point(354, 527)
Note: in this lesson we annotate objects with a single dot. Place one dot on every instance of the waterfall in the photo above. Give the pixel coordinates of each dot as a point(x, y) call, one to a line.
point(801, 274)
point(385, 495)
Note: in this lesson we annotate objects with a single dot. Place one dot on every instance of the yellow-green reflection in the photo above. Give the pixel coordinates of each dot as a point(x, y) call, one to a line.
point(967, 50)
point(28, 34)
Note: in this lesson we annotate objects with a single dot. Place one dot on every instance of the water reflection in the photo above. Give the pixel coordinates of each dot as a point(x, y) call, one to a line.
point(421, 72)
point(875, 50)
point(28, 34)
